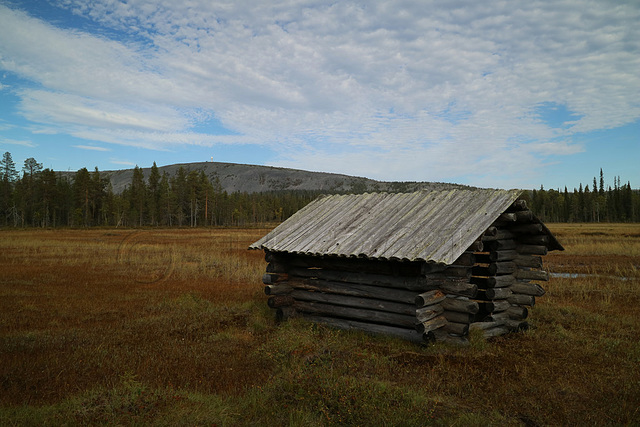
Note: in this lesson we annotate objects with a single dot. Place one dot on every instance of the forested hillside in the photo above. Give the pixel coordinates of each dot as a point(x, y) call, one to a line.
point(238, 178)
point(181, 196)
point(45, 198)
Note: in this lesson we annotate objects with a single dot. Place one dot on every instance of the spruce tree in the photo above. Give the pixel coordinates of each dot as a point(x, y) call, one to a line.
point(601, 189)
point(8, 168)
point(153, 201)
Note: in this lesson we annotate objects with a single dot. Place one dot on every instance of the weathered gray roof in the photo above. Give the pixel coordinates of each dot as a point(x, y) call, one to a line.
point(431, 226)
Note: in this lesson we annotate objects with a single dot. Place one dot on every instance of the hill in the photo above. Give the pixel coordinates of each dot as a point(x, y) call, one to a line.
point(259, 179)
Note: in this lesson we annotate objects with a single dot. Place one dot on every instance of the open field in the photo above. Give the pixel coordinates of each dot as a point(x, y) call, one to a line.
point(165, 327)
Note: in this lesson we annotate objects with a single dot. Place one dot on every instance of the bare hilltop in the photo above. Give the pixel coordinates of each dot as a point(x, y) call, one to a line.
point(242, 178)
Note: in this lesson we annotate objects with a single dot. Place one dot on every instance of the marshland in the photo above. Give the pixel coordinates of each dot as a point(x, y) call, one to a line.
point(166, 326)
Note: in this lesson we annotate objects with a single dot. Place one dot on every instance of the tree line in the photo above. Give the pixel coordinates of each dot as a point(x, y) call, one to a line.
point(45, 198)
point(617, 203)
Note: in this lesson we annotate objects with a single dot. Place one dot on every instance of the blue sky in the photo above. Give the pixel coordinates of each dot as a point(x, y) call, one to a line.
point(501, 94)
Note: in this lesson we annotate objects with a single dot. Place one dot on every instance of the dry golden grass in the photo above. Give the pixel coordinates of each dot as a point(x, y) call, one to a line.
point(81, 308)
point(171, 327)
point(597, 249)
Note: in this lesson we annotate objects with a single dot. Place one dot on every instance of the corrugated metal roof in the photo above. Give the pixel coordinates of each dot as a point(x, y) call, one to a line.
point(431, 226)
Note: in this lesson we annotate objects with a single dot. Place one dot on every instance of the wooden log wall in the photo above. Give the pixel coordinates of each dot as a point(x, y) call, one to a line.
point(488, 288)
point(505, 272)
point(396, 298)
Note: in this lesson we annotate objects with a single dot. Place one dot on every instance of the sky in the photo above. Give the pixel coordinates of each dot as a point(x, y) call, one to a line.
point(502, 94)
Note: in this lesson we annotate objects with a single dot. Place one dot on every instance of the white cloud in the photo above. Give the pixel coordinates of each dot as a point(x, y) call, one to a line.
point(557, 148)
point(66, 109)
point(24, 143)
point(91, 148)
point(162, 141)
point(5, 126)
point(393, 90)
point(121, 162)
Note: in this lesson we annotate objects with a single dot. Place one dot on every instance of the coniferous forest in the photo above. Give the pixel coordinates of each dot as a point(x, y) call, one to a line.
point(44, 198)
point(596, 203)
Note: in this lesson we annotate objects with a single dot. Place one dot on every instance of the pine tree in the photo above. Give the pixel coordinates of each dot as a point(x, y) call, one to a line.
point(180, 193)
point(109, 211)
point(215, 200)
point(6, 200)
point(97, 192)
point(25, 193)
point(154, 194)
point(81, 193)
point(65, 200)
point(48, 195)
point(137, 196)
point(31, 167)
point(197, 187)
point(166, 201)
point(8, 168)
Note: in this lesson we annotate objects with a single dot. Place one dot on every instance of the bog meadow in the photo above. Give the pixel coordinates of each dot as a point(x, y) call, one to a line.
point(171, 326)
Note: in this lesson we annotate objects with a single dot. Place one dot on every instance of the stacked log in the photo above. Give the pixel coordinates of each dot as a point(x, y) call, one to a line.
point(405, 299)
point(506, 269)
point(490, 287)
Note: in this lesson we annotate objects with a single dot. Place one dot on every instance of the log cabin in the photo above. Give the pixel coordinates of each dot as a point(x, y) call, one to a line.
point(426, 266)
